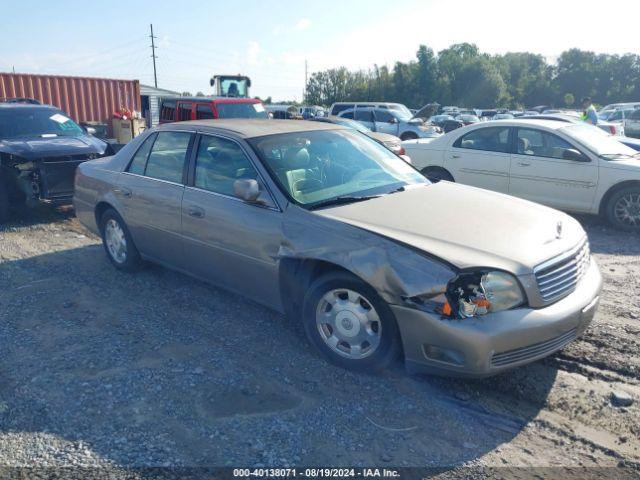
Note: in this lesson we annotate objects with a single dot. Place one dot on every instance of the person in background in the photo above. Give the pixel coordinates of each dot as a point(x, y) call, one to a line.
point(589, 115)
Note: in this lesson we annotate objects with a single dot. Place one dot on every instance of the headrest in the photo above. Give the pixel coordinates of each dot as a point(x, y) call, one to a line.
point(296, 158)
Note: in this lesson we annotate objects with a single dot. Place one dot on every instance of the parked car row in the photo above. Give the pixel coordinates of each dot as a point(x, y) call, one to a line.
point(570, 166)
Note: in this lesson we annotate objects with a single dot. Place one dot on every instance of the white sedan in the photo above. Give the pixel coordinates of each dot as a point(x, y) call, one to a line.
point(574, 167)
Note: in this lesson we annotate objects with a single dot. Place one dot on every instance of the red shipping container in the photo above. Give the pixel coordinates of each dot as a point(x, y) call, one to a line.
point(85, 99)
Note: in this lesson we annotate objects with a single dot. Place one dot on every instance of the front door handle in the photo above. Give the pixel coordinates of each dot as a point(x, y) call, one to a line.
point(455, 156)
point(195, 212)
point(524, 164)
point(125, 192)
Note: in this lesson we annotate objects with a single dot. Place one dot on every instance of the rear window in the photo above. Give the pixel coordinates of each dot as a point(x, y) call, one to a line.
point(241, 110)
point(204, 111)
point(184, 111)
point(635, 115)
point(168, 109)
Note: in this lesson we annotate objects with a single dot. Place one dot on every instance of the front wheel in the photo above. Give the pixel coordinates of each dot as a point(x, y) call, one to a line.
point(623, 209)
point(347, 321)
point(118, 243)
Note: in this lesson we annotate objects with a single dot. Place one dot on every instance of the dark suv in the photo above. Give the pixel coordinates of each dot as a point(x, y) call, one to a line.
point(40, 148)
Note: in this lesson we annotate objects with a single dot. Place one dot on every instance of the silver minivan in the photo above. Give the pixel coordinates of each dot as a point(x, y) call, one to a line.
point(392, 121)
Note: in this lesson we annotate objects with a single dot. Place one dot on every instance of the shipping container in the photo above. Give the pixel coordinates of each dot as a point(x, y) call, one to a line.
point(84, 99)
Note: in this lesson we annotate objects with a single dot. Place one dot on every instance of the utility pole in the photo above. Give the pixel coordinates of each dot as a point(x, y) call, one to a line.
point(304, 92)
point(153, 55)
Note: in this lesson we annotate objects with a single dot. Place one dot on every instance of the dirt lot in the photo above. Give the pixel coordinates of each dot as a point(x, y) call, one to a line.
point(100, 367)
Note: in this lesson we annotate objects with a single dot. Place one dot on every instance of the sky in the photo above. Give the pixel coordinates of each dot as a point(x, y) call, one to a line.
point(270, 40)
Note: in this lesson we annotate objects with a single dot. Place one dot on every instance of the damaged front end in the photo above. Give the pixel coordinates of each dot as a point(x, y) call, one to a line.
point(42, 179)
point(473, 294)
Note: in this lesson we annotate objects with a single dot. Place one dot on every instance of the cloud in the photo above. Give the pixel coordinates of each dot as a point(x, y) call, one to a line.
point(303, 24)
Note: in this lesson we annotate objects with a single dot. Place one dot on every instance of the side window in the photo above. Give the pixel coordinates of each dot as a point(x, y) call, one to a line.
point(541, 144)
point(383, 116)
point(492, 139)
point(220, 162)
point(340, 108)
point(184, 111)
point(203, 111)
point(363, 115)
point(139, 160)
point(166, 161)
point(168, 110)
point(348, 114)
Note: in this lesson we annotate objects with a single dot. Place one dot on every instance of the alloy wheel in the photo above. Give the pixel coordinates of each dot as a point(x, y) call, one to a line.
point(116, 241)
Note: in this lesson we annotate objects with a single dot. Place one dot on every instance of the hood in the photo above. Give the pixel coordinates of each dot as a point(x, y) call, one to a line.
point(632, 164)
point(37, 147)
point(466, 226)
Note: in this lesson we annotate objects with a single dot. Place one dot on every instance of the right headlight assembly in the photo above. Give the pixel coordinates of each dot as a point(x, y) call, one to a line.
point(476, 293)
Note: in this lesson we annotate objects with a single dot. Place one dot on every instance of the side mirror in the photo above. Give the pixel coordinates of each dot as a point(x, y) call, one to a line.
point(575, 155)
point(90, 130)
point(393, 120)
point(246, 189)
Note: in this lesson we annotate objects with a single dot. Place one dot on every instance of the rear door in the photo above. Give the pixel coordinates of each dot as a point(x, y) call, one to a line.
point(228, 241)
point(632, 124)
point(541, 171)
point(150, 191)
point(481, 158)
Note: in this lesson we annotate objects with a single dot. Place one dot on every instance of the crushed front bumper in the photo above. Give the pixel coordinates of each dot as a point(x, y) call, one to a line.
point(487, 345)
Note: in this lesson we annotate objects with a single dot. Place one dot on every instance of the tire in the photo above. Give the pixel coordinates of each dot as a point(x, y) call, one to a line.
point(4, 200)
point(124, 255)
point(408, 136)
point(623, 209)
point(362, 334)
point(435, 174)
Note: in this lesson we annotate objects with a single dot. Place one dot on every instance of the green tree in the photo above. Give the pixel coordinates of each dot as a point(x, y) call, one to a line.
point(569, 99)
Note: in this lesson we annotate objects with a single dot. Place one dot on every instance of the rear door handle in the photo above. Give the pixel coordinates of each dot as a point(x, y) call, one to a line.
point(195, 212)
point(125, 192)
point(455, 156)
point(524, 164)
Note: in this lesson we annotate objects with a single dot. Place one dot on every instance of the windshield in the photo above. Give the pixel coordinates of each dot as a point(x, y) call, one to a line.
point(316, 166)
point(604, 145)
point(31, 122)
point(241, 110)
point(398, 108)
point(353, 124)
point(233, 87)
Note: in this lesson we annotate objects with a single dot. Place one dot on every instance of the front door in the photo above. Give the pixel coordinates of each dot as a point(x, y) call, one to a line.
point(481, 158)
point(385, 122)
point(542, 171)
point(228, 241)
point(151, 190)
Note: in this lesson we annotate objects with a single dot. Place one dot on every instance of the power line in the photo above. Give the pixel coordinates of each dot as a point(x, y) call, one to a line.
point(153, 55)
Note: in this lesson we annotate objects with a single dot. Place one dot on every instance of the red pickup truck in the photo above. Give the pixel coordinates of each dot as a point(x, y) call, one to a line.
point(180, 109)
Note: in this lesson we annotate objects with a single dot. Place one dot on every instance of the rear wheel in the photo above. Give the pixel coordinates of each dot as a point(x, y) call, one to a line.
point(623, 209)
point(347, 321)
point(408, 136)
point(118, 243)
point(4, 200)
point(435, 174)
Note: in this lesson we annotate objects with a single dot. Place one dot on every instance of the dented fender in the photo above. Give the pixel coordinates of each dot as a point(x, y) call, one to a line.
point(394, 270)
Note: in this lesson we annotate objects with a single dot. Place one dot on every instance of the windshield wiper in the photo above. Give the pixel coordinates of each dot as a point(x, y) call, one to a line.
point(342, 200)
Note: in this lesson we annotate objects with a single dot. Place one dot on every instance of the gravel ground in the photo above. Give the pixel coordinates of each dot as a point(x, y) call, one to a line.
point(103, 368)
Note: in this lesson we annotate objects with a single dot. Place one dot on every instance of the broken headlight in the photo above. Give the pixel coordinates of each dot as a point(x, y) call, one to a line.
point(471, 294)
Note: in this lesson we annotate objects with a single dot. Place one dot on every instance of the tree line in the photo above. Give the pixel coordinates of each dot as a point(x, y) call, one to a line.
point(462, 75)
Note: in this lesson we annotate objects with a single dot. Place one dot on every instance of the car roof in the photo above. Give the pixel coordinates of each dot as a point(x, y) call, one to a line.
point(213, 99)
point(249, 128)
point(29, 106)
point(527, 122)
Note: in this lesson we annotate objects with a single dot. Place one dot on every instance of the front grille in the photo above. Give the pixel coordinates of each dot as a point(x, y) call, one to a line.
point(83, 157)
point(532, 351)
point(558, 277)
